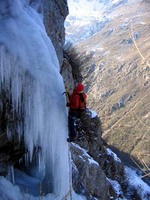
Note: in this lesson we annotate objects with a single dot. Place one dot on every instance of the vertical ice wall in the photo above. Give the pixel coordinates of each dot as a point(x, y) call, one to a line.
point(29, 71)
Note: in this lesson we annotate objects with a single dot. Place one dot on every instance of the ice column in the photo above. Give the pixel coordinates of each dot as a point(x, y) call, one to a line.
point(29, 71)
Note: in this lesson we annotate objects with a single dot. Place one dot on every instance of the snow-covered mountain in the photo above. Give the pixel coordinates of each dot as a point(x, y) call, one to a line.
point(87, 17)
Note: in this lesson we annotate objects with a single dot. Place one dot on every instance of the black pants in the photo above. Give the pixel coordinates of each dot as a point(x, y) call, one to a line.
point(72, 121)
point(72, 124)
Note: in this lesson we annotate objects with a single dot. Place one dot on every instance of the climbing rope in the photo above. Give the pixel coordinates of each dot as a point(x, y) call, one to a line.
point(66, 196)
point(70, 174)
point(69, 193)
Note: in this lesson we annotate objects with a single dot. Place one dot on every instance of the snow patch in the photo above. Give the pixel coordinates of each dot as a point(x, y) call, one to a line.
point(94, 114)
point(137, 183)
point(92, 161)
point(109, 152)
point(116, 186)
point(84, 153)
point(9, 191)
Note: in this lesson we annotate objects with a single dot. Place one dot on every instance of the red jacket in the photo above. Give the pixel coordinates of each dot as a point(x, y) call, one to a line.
point(77, 101)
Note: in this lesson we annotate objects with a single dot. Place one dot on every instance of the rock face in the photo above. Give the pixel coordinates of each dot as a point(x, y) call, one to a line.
point(55, 12)
point(11, 147)
point(66, 72)
point(94, 165)
point(92, 180)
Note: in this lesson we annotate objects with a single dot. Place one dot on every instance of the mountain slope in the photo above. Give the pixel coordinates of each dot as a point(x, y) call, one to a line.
point(115, 68)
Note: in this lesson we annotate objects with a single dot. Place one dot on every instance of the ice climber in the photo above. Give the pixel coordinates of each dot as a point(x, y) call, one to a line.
point(77, 106)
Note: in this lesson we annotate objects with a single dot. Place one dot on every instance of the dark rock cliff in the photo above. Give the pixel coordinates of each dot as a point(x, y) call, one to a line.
point(94, 164)
point(55, 12)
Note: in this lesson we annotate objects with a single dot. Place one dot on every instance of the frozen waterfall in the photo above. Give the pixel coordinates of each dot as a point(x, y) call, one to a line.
point(29, 73)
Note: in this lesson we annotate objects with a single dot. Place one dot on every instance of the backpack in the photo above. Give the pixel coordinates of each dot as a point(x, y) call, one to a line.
point(82, 104)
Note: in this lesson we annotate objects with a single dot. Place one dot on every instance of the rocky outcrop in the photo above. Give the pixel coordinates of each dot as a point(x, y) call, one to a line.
point(66, 72)
point(91, 179)
point(55, 12)
point(96, 169)
point(11, 146)
point(97, 172)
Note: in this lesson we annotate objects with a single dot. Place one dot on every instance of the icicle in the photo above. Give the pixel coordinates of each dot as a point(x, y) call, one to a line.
point(26, 157)
point(10, 175)
point(9, 134)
